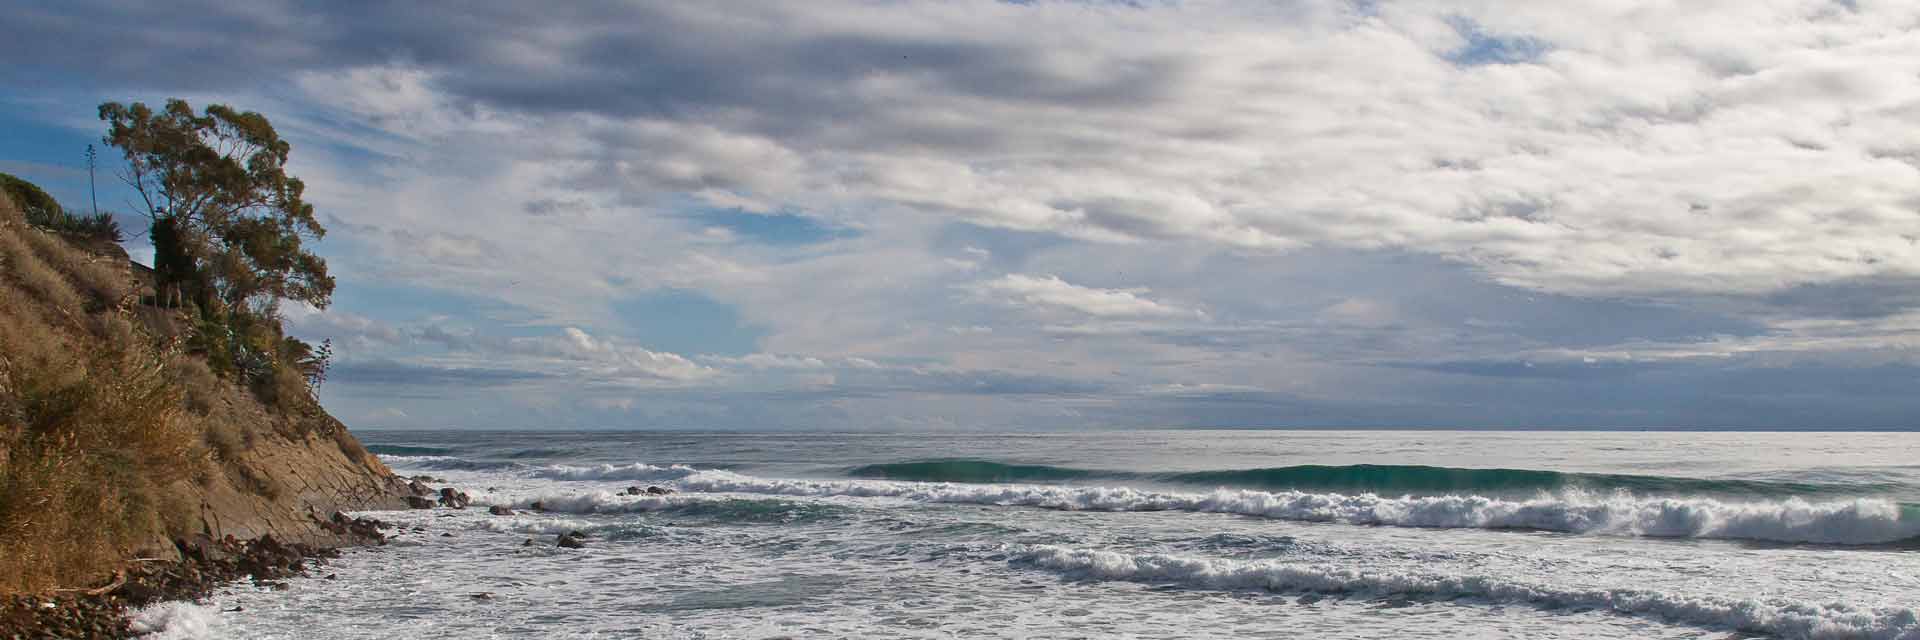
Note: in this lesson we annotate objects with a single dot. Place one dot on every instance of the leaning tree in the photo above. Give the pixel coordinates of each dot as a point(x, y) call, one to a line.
point(229, 225)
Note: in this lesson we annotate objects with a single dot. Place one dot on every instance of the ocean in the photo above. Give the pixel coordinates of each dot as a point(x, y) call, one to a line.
point(1126, 534)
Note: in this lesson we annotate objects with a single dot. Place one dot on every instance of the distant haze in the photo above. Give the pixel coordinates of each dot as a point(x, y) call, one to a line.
point(842, 215)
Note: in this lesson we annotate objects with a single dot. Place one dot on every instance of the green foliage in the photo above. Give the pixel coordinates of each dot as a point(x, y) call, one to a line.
point(229, 232)
point(43, 211)
point(218, 179)
point(28, 197)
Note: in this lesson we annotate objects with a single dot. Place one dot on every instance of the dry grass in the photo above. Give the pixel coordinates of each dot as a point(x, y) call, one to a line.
point(99, 432)
point(92, 426)
point(200, 383)
point(24, 265)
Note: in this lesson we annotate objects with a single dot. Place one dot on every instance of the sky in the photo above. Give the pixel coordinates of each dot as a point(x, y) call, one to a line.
point(971, 215)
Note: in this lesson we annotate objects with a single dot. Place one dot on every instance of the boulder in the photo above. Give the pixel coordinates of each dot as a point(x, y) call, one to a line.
point(499, 510)
point(453, 498)
point(631, 491)
point(658, 491)
point(568, 541)
point(419, 488)
point(417, 502)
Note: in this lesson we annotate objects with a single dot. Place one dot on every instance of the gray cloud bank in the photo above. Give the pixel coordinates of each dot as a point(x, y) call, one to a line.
point(1067, 213)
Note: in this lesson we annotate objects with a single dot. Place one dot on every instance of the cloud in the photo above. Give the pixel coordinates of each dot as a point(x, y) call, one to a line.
point(380, 373)
point(1578, 163)
point(1052, 292)
point(1318, 211)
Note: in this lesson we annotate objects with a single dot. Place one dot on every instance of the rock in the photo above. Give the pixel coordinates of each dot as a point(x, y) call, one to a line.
point(631, 491)
point(363, 528)
point(528, 543)
point(417, 502)
point(499, 510)
point(576, 533)
point(454, 498)
point(419, 488)
point(569, 542)
point(446, 535)
point(538, 506)
point(658, 491)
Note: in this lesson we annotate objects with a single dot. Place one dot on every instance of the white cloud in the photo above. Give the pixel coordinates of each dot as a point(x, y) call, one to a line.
point(1052, 292)
point(1151, 186)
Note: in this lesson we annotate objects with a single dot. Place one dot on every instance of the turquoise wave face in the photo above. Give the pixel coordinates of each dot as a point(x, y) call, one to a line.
point(978, 471)
point(1376, 478)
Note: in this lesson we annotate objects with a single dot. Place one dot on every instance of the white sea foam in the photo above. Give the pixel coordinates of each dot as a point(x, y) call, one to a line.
point(1833, 621)
point(1860, 521)
point(174, 621)
point(610, 472)
point(600, 502)
point(401, 461)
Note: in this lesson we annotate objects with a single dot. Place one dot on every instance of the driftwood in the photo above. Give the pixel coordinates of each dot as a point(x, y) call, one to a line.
point(119, 580)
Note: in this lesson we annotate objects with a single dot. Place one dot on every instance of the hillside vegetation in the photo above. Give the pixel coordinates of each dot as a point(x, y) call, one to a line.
point(115, 438)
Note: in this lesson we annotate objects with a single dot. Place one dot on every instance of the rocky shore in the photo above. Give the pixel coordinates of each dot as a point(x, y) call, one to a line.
point(205, 564)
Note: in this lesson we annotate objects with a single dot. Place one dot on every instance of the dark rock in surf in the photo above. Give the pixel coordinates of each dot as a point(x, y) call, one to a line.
point(538, 506)
point(417, 502)
point(419, 488)
point(569, 541)
point(499, 510)
point(658, 491)
point(453, 498)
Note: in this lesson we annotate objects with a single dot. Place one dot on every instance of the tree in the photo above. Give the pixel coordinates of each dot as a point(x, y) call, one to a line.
point(229, 223)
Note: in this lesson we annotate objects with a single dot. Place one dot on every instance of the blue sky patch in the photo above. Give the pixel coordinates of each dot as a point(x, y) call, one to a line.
point(687, 322)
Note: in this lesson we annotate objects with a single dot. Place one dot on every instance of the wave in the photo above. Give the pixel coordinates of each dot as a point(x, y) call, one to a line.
point(615, 472)
point(979, 471)
point(174, 621)
point(1361, 477)
point(407, 450)
point(731, 510)
point(1781, 618)
point(1849, 522)
point(443, 463)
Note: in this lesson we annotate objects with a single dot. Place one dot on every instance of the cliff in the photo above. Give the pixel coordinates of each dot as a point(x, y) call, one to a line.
point(115, 441)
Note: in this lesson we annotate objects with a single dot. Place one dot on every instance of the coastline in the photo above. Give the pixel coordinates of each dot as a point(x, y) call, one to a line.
point(205, 564)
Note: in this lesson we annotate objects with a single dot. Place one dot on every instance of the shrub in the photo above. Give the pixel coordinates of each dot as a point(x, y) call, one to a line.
point(41, 210)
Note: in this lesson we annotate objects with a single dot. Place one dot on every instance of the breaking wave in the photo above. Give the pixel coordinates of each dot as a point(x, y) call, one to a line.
point(1851, 522)
point(1788, 619)
point(1361, 477)
point(615, 472)
point(443, 463)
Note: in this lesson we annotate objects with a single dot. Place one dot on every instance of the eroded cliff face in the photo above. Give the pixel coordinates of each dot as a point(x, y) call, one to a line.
point(289, 475)
point(116, 440)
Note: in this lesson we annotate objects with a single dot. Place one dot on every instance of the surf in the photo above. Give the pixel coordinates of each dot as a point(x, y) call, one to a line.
point(1787, 619)
point(1859, 521)
point(1378, 478)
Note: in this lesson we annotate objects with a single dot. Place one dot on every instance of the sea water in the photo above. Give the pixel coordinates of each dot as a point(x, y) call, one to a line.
point(1160, 534)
